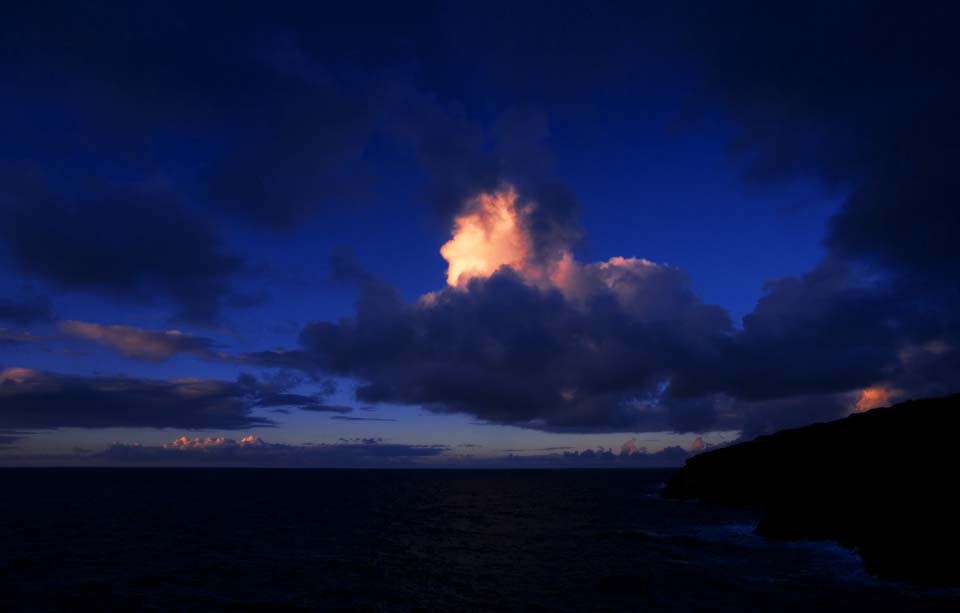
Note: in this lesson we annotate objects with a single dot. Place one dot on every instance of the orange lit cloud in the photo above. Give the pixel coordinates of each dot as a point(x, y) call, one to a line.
point(490, 234)
point(193, 444)
point(153, 345)
point(873, 397)
point(912, 352)
point(18, 375)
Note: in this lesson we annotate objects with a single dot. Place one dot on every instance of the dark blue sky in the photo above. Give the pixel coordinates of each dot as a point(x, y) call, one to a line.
point(226, 220)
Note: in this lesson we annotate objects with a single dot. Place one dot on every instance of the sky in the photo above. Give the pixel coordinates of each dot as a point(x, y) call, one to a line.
point(468, 234)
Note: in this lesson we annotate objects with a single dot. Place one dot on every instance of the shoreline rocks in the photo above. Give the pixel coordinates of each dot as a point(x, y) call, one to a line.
point(884, 482)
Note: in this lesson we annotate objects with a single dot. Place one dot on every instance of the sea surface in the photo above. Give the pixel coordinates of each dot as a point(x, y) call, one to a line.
point(292, 540)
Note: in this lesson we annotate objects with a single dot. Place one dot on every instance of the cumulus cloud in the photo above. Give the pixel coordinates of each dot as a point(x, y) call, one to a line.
point(625, 344)
point(137, 343)
point(549, 344)
point(32, 399)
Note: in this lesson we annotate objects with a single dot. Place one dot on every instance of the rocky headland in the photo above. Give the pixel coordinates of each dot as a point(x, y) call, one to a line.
point(884, 482)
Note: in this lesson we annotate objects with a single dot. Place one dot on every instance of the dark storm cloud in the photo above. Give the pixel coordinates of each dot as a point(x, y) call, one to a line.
point(267, 131)
point(156, 248)
point(862, 96)
point(265, 118)
point(826, 331)
point(276, 108)
point(514, 353)
point(629, 347)
point(41, 400)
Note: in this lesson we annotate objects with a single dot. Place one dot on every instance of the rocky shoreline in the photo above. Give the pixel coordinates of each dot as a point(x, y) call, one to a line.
point(882, 482)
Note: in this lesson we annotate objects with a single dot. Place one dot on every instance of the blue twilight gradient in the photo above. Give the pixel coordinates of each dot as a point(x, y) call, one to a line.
point(624, 106)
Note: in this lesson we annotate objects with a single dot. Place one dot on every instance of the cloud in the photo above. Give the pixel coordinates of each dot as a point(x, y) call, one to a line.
point(266, 133)
point(278, 124)
point(253, 451)
point(347, 418)
point(277, 128)
point(867, 109)
point(464, 157)
point(24, 313)
point(553, 345)
point(356, 452)
point(31, 399)
point(140, 344)
point(625, 345)
point(313, 403)
point(345, 269)
point(157, 249)
point(303, 151)
point(9, 437)
point(866, 106)
point(668, 457)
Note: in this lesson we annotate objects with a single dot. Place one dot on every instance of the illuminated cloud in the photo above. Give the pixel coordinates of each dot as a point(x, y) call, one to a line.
point(490, 233)
point(140, 344)
point(874, 397)
point(186, 444)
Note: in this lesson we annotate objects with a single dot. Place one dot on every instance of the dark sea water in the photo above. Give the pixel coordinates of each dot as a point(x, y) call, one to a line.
point(276, 540)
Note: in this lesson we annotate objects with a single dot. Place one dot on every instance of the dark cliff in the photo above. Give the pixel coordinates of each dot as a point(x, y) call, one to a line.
point(884, 482)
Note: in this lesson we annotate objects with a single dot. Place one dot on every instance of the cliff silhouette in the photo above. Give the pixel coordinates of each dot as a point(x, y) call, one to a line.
point(884, 482)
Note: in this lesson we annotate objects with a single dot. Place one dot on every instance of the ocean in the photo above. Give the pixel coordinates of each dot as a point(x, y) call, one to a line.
point(414, 540)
